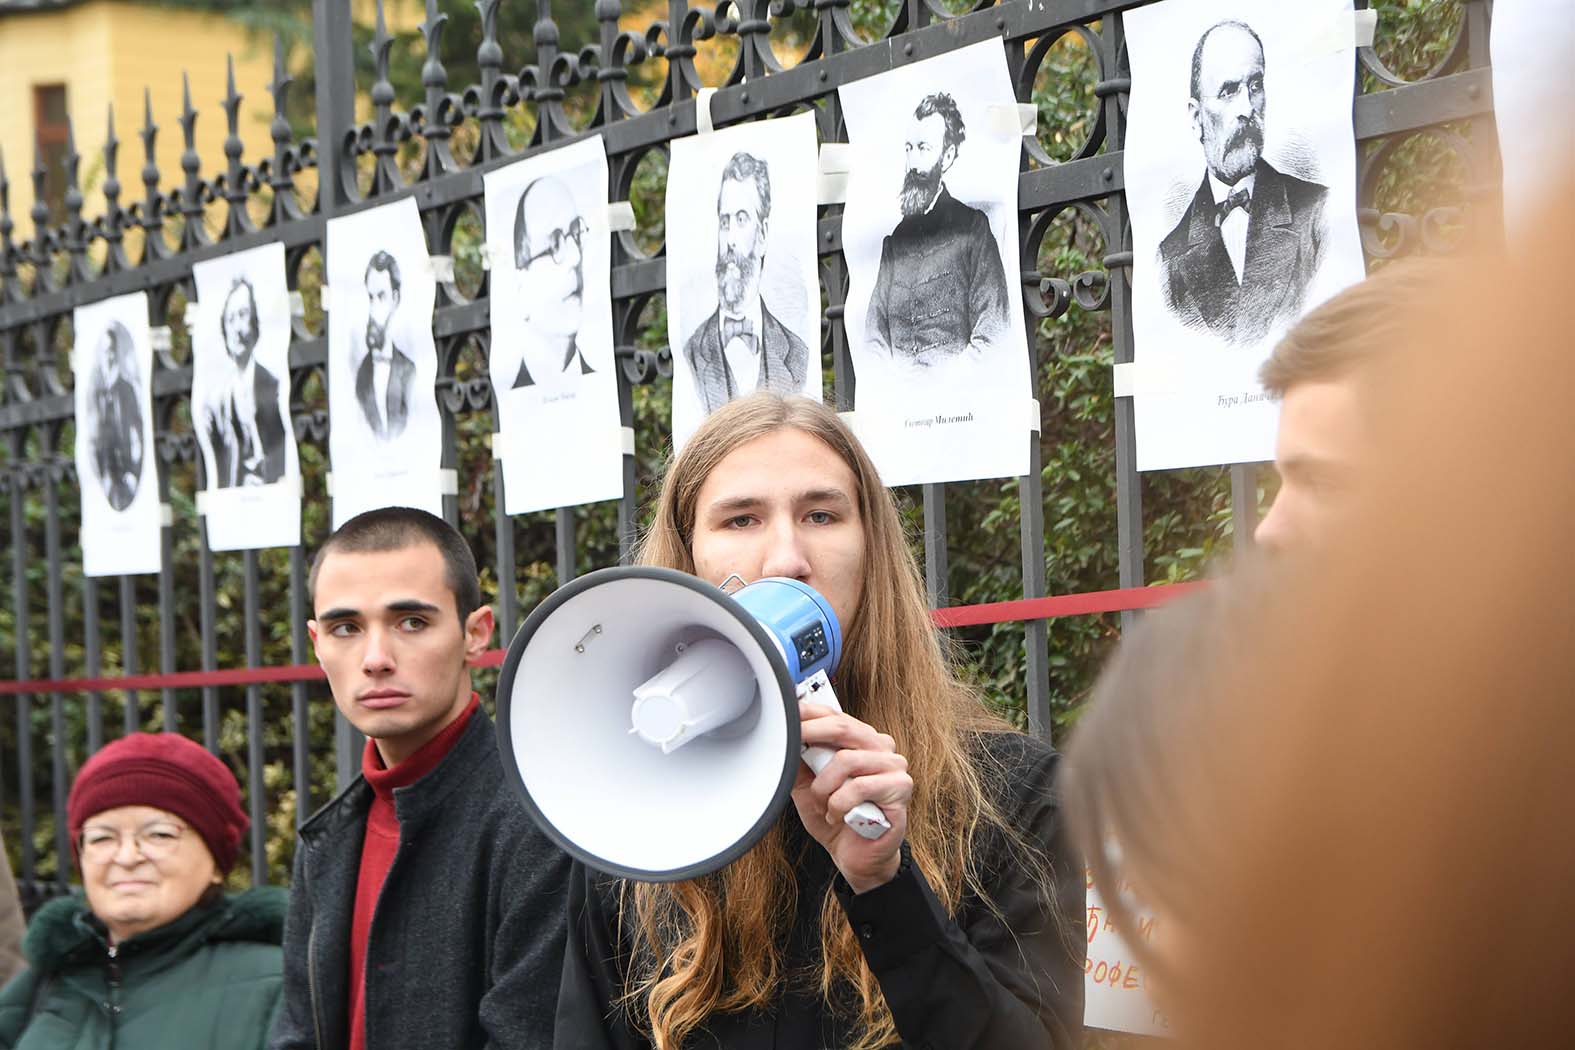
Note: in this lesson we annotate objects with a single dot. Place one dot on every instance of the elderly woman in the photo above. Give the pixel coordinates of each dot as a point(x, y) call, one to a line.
point(155, 954)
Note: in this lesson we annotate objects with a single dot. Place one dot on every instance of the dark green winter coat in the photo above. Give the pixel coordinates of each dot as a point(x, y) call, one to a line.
point(210, 979)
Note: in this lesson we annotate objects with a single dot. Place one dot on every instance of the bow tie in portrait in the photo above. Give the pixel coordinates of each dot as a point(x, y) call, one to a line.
point(738, 328)
point(1241, 197)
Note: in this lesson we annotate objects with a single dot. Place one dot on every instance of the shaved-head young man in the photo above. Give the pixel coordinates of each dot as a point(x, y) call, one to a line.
point(426, 908)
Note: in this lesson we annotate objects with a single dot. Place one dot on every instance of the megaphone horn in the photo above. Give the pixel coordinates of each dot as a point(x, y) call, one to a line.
point(650, 720)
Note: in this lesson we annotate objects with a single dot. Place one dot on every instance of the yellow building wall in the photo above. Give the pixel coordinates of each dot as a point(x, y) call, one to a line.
point(107, 51)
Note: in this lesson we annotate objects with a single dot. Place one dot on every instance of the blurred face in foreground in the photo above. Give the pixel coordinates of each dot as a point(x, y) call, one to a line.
point(1319, 455)
point(784, 504)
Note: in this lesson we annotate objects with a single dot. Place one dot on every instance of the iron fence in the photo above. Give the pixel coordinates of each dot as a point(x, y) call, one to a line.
point(151, 244)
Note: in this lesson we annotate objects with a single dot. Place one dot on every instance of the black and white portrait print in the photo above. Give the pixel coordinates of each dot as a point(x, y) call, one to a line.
point(116, 418)
point(1240, 179)
point(747, 314)
point(940, 291)
point(934, 316)
point(1243, 253)
point(112, 360)
point(549, 241)
point(240, 337)
point(385, 433)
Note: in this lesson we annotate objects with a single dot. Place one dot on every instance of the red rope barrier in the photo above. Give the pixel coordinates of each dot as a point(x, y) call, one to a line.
point(1021, 609)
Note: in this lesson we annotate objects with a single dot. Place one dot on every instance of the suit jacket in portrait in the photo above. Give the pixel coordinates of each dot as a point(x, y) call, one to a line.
point(523, 376)
point(118, 443)
point(233, 462)
point(784, 360)
point(940, 288)
point(1285, 232)
point(387, 421)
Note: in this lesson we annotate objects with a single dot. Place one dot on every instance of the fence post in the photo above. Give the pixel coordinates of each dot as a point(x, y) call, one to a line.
point(332, 58)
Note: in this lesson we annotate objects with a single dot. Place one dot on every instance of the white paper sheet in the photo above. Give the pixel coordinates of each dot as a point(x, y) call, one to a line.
point(1217, 280)
point(1533, 53)
point(934, 313)
point(112, 361)
point(385, 433)
point(240, 398)
point(741, 263)
point(552, 361)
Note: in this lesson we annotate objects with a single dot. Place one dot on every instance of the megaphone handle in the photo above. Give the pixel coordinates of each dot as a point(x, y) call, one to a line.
point(864, 818)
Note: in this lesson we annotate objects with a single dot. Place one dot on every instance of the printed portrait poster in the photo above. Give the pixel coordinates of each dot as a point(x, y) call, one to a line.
point(240, 401)
point(1242, 190)
point(743, 292)
point(934, 313)
point(384, 431)
point(112, 362)
point(553, 369)
point(1533, 46)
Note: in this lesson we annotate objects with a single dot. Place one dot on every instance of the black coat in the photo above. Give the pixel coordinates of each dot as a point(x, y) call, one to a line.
point(466, 943)
point(1284, 250)
point(226, 440)
point(388, 420)
point(940, 289)
point(963, 983)
point(784, 360)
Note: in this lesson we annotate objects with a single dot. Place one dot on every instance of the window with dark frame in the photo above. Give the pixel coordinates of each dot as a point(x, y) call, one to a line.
point(50, 134)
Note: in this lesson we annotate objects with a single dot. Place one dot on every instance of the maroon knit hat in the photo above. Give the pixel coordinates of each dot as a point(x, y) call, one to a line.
point(169, 772)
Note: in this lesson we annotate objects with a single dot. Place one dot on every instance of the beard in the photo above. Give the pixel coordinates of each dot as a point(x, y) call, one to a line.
point(375, 334)
point(734, 274)
point(1241, 153)
point(919, 189)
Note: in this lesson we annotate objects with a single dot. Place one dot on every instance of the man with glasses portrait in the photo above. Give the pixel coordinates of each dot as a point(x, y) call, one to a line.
point(549, 265)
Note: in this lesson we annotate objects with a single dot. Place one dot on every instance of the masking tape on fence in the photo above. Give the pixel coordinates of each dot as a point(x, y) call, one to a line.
point(202, 502)
point(326, 299)
point(1010, 122)
point(441, 267)
point(703, 97)
point(297, 303)
point(831, 172)
point(1346, 31)
point(1125, 379)
point(159, 337)
point(620, 216)
point(1033, 414)
point(831, 187)
point(191, 317)
point(627, 433)
point(485, 251)
point(166, 515)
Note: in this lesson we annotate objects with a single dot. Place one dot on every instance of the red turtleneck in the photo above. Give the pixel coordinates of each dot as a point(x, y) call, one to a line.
point(380, 843)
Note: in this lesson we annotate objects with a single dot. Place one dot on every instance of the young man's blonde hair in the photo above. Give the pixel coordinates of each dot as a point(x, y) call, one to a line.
point(1350, 329)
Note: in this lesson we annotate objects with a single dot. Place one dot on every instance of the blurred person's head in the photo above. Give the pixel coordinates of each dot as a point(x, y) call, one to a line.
point(1318, 372)
point(397, 624)
point(1383, 769)
point(156, 822)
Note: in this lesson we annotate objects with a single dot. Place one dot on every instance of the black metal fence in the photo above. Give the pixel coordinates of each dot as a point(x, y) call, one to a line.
point(213, 606)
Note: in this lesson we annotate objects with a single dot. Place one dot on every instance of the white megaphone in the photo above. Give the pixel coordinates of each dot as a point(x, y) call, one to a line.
point(650, 719)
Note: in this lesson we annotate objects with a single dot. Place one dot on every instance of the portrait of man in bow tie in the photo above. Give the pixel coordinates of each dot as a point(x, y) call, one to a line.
point(241, 415)
point(1239, 261)
point(385, 372)
point(742, 347)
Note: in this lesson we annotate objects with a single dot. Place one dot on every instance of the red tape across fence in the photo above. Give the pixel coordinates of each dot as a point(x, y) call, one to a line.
point(1021, 609)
